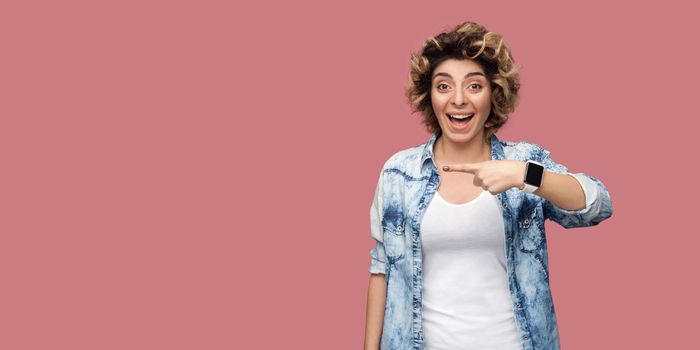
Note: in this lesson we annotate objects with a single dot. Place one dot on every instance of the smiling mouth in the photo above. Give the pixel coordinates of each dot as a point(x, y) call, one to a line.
point(460, 117)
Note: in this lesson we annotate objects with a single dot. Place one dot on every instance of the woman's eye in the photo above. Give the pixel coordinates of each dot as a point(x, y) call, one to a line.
point(478, 86)
point(440, 86)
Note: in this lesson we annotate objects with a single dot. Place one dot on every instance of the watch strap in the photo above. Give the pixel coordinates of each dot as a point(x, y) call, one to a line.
point(529, 188)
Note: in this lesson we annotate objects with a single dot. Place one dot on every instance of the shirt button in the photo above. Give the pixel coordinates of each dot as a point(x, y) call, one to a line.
point(526, 337)
point(510, 239)
point(505, 205)
point(512, 273)
point(520, 306)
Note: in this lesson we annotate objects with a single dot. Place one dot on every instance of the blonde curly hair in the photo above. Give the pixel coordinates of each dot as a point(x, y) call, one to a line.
point(468, 40)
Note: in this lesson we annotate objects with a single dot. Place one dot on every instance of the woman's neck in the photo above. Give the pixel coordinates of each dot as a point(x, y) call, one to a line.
point(447, 152)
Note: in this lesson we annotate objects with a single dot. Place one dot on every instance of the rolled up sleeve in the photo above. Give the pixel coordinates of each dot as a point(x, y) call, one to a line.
point(378, 262)
point(377, 254)
point(598, 202)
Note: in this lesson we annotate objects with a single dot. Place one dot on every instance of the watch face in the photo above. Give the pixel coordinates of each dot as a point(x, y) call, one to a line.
point(534, 174)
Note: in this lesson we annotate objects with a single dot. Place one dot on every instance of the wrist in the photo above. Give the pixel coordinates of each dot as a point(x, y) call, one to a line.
point(532, 176)
point(520, 175)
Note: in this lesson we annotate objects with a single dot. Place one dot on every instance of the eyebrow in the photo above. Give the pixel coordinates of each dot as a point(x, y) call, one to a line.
point(465, 77)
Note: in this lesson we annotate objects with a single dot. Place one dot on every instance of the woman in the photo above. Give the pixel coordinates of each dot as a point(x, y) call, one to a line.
point(460, 260)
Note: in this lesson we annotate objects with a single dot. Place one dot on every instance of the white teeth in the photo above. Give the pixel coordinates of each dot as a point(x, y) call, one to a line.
point(460, 116)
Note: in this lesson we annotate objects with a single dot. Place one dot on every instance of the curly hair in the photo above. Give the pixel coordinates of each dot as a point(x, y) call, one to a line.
point(468, 40)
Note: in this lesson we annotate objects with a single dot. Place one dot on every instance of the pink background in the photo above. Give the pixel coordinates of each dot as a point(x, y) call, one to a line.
point(199, 175)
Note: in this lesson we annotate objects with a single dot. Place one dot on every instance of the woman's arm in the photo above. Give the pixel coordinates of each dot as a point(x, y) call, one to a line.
point(561, 196)
point(562, 190)
point(376, 302)
point(376, 294)
point(496, 176)
point(571, 200)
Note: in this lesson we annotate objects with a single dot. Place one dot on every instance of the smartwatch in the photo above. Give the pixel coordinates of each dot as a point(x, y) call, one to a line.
point(533, 176)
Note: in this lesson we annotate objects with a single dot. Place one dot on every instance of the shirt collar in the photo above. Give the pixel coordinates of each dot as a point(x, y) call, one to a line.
point(496, 149)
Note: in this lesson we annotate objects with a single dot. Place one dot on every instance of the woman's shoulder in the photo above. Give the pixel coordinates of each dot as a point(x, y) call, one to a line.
point(405, 156)
point(405, 159)
point(523, 150)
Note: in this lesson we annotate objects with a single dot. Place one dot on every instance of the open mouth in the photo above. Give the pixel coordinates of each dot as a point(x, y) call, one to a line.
point(460, 120)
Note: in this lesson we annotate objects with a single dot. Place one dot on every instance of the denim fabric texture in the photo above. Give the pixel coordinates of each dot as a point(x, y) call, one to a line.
point(407, 184)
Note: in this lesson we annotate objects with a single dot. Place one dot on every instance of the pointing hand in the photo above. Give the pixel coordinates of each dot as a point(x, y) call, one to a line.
point(495, 176)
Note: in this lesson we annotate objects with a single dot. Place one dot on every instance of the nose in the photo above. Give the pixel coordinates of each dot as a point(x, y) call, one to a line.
point(458, 97)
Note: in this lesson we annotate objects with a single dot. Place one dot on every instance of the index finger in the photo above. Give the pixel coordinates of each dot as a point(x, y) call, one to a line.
point(465, 168)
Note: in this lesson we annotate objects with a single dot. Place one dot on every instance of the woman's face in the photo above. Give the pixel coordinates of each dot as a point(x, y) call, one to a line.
point(460, 87)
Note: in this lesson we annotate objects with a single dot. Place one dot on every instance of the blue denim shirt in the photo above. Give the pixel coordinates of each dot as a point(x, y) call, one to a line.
point(406, 186)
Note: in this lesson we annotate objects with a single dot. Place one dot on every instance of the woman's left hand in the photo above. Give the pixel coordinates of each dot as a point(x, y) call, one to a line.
point(494, 176)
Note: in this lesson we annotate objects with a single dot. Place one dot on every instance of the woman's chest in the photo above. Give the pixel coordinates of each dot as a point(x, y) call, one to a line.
point(458, 188)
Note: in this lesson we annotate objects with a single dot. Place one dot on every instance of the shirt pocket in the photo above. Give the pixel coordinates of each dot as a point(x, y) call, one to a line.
point(394, 226)
point(530, 226)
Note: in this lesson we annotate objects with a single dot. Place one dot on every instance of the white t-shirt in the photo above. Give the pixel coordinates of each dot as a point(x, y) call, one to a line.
point(466, 301)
